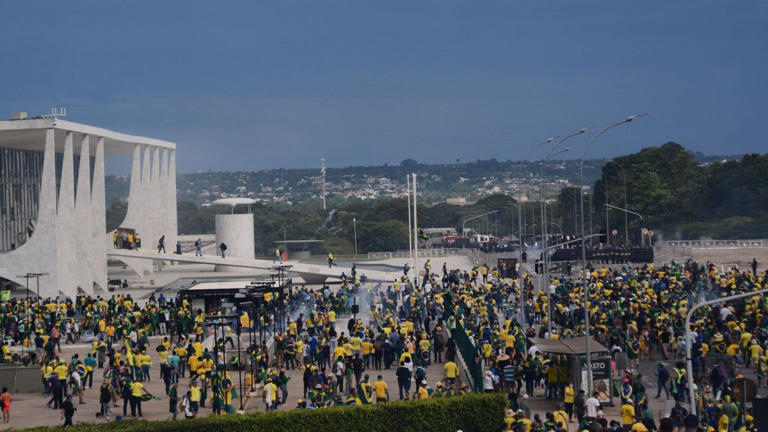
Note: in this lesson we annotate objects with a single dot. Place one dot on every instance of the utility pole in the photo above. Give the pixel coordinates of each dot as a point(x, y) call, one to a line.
point(408, 195)
point(322, 173)
point(607, 227)
point(415, 231)
point(354, 228)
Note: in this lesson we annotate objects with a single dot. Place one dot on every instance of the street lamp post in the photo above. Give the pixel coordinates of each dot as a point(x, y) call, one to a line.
point(542, 197)
point(545, 253)
point(520, 225)
point(354, 229)
point(464, 223)
point(626, 223)
point(584, 244)
point(626, 212)
point(607, 226)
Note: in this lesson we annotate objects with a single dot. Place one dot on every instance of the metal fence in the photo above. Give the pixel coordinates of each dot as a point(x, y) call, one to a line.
point(423, 253)
point(707, 244)
point(472, 360)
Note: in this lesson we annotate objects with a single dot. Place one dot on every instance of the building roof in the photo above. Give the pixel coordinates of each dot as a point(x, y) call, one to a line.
point(234, 201)
point(570, 346)
point(29, 134)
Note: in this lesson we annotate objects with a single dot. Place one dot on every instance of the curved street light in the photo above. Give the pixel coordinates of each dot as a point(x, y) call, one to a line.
point(520, 223)
point(542, 196)
point(584, 244)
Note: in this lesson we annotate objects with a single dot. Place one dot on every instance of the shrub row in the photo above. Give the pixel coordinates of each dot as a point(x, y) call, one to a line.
point(473, 412)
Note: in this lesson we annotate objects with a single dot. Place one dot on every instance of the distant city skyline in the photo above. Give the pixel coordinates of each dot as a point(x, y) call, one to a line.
point(258, 85)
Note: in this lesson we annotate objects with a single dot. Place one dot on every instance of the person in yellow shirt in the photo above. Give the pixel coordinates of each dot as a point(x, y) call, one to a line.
point(381, 390)
point(356, 344)
point(146, 362)
point(137, 390)
point(194, 396)
point(722, 422)
point(61, 371)
point(367, 348)
point(627, 415)
point(451, 372)
point(338, 352)
point(422, 391)
point(270, 395)
point(569, 396)
point(208, 366)
point(245, 321)
point(522, 422)
point(755, 351)
point(561, 417)
point(193, 363)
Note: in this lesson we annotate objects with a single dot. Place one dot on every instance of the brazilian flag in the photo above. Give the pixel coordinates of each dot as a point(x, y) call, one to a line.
point(363, 392)
point(422, 234)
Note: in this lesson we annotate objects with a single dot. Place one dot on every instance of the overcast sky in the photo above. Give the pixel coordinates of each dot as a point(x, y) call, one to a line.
point(252, 85)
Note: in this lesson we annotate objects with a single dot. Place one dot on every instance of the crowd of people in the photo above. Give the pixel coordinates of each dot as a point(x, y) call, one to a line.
point(405, 328)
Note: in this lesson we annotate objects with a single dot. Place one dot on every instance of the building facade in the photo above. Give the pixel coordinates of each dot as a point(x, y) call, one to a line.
point(52, 201)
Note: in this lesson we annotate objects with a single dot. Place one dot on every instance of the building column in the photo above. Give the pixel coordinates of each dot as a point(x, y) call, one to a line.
point(155, 215)
point(170, 188)
point(99, 219)
point(148, 230)
point(66, 238)
point(45, 226)
point(83, 218)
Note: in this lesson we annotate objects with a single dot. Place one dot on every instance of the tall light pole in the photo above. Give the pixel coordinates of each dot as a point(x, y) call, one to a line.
point(415, 232)
point(545, 257)
point(544, 254)
point(354, 228)
point(626, 223)
point(607, 226)
point(520, 225)
point(464, 223)
point(626, 212)
point(408, 194)
point(585, 287)
point(322, 172)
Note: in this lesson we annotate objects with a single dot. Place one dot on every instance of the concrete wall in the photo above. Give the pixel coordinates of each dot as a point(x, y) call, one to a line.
point(236, 231)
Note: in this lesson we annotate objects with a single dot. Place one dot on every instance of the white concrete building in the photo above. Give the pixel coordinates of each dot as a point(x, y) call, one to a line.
point(52, 208)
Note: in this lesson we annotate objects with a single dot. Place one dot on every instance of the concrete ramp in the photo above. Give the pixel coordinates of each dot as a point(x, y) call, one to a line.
point(317, 273)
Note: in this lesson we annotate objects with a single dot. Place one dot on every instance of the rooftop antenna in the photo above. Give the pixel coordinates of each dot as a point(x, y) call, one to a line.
point(322, 172)
point(56, 112)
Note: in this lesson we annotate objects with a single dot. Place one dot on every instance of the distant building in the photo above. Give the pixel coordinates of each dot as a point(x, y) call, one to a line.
point(459, 201)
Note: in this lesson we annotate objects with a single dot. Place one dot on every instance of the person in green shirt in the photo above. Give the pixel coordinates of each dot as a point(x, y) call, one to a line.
point(173, 401)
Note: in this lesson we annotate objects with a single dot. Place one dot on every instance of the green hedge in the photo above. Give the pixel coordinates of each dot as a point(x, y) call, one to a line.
point(473, 412)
